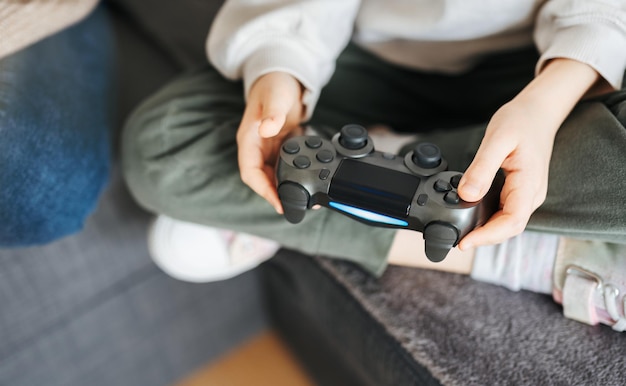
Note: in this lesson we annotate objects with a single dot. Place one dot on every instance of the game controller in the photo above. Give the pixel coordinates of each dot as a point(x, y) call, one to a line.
point(413, 192)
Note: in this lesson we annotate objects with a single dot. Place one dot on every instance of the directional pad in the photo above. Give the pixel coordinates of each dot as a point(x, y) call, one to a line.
point(451, 198)
point(455, 180)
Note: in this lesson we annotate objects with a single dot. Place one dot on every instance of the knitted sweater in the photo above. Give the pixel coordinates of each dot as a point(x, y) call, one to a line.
point(24, 22)
point(250, 38)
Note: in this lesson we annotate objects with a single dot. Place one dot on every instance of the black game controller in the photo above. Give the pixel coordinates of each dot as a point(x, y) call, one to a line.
point(413, 192)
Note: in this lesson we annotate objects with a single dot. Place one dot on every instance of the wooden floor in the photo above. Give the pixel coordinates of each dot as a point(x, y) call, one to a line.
point(262, 361)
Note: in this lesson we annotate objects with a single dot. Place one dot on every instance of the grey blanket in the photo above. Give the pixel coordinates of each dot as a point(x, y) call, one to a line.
point(466, 332)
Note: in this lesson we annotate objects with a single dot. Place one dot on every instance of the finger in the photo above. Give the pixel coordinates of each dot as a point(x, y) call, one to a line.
point(252, 164)
point(258, 179)
point(273, 117)
point(508, 222)
point(477, 179)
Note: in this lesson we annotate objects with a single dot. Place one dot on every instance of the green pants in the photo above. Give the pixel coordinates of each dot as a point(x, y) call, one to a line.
point(180, 153)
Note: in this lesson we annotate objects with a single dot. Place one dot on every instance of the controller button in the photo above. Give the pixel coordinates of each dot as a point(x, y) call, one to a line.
point(439, 239)
point(389, 156)
point(313, 142)
point(455, 180)
point(302, 162)
point(426, 155)
point(295, 200)
point(324, 173)
point(451, 198)
point(353, 137)
point(443, 186)
point(291, 147)
point(422, 199)
point(325, 156)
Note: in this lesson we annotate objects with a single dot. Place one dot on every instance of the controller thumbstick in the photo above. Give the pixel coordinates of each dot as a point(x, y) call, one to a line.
point(353, 137)
point(427, 155)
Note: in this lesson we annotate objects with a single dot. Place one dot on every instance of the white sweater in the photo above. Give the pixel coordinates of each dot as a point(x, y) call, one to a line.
point(250, 38)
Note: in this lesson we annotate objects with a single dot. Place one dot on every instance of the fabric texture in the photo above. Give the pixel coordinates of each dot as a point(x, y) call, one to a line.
point(92, 309)
point(180, 159)
point(412, 323)
point(180, 151)
point(55, 124)
point(24, 22)
point(304, 38)
point(525, 261)
point(590, 281)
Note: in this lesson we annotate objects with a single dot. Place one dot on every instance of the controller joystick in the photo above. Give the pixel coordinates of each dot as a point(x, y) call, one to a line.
point(426, 155)
point(413, 192)
point(353, 137)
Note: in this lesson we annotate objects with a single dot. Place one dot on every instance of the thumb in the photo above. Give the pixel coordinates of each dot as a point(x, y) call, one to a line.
point(273, 117)
point(477, 179)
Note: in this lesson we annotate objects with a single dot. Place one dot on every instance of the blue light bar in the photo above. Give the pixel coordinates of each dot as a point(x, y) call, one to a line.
point(367, 215)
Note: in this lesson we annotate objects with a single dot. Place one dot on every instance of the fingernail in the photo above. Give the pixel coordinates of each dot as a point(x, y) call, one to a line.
point(471, 190)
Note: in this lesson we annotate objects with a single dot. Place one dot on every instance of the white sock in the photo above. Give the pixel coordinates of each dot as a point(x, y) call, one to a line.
point(523, 262)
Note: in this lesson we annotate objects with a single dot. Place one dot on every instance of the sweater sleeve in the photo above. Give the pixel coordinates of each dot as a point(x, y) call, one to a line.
point(589, 31)
point(250, 38)
point(24, 22)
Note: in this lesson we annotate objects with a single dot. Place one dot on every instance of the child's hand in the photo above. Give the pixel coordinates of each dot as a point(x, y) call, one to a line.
point(274, 111)
point(519, 140)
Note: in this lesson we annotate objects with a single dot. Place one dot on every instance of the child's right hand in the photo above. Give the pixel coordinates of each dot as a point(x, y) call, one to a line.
point(274, 111)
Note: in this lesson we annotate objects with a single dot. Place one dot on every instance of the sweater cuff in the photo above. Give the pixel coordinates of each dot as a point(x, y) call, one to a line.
point(291, 60)
point(601, 47)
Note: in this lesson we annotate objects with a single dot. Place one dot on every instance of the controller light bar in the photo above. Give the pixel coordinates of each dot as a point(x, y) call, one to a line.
point(367, 215)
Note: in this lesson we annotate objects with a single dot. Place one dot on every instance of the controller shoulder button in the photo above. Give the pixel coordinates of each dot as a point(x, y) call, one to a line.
point(295, 200)
point(301, 162)
point(325, 156)
point(439, 239)
point(442, 186)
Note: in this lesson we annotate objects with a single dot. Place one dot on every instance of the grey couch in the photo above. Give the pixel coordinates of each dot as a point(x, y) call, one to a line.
point(93, 310)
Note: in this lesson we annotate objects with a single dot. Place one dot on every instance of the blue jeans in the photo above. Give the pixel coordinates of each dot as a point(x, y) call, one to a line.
point(54, 132)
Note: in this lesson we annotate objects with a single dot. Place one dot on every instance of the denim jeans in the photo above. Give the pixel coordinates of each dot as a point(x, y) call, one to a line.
point(54, 132)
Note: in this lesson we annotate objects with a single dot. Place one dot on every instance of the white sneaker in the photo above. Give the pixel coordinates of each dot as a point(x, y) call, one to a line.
point(201, 254)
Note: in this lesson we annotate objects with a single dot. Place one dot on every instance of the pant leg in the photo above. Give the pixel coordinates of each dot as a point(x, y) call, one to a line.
point(180, 155)
point(180, 159)
point(587, 174)
point(54, 133)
